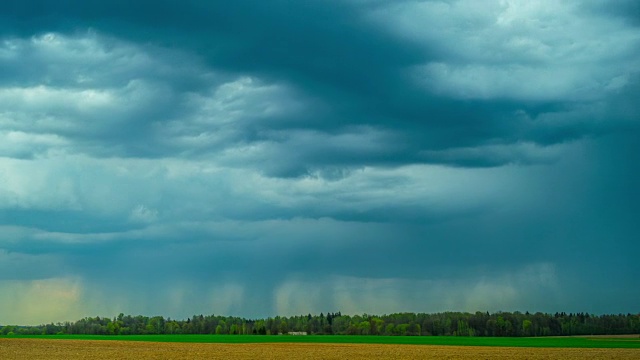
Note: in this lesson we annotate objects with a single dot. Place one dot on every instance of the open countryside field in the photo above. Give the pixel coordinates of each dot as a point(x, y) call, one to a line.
point(30, 348)
point(625, 341)
point(314, 347)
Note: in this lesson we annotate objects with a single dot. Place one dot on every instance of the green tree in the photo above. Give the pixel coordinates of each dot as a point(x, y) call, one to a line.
point(377, 326)
point(390, 329)
point(526, 327)
point(284, 327)
point(364, 328)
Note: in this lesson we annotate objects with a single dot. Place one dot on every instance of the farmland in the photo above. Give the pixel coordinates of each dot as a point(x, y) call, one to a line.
point(630, 341)
point(57, 348)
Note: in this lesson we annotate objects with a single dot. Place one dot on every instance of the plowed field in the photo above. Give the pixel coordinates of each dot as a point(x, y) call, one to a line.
point(25, 349)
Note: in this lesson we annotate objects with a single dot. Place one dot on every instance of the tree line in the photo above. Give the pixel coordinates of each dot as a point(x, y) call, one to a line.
point(513, 324)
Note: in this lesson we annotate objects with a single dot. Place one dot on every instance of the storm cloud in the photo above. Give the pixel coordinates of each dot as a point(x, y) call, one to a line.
point(261, 158)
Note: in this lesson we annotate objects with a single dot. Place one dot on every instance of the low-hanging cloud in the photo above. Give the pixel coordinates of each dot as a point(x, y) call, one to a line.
point(252, 159)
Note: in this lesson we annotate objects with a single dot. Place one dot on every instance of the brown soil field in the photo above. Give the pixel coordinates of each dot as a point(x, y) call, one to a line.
point(22, 349)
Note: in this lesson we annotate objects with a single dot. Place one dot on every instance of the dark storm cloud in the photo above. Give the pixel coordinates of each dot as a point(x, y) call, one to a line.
point(625, 9)
point(261, 158)
point(350, 72)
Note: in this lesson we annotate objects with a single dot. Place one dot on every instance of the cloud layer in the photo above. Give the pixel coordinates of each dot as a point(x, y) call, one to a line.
point(362, 156)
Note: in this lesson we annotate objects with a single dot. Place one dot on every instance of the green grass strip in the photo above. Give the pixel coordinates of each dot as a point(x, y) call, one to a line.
point(538, 342)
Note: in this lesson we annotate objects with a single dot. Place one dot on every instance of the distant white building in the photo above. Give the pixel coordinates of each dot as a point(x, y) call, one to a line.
point(298, 333)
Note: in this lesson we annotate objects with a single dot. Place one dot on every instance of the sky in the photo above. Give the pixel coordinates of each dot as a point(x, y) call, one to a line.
point(262, 158)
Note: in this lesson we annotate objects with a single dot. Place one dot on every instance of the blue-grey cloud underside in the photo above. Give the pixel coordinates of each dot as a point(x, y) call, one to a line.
point(256, 158)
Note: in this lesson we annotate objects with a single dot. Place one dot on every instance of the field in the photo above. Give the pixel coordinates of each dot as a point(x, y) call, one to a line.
point(314, 347)
point(21, 348)
point(631, 341)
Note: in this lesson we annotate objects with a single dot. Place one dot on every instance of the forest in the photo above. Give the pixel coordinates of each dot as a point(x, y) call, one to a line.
point(512, 324)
